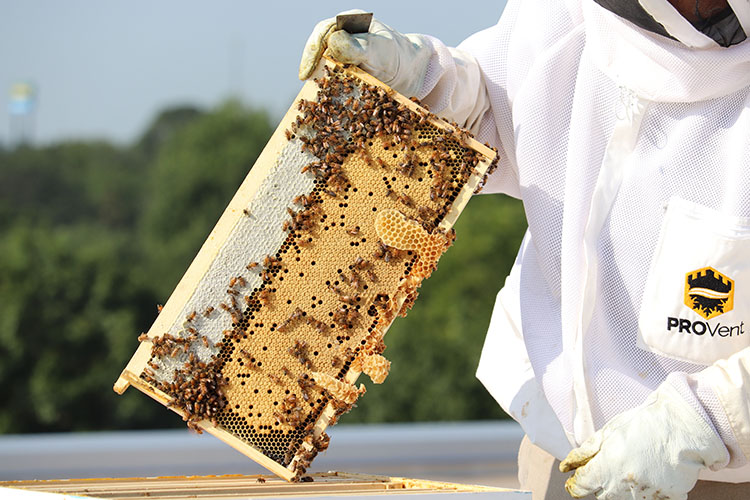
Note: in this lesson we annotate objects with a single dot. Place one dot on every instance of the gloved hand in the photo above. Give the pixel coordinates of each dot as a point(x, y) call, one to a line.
point(652, 451)
point(399, 61)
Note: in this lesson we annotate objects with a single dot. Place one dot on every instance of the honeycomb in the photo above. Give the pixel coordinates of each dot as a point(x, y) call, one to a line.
point(345, 213)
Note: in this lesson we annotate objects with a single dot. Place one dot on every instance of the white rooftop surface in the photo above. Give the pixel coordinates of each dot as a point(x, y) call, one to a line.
point(462, 452)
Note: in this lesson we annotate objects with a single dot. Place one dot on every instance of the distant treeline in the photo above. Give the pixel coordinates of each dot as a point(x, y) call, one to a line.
point(93, 236)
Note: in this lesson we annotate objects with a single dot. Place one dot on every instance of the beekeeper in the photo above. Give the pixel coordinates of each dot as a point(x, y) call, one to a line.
point(622, 332)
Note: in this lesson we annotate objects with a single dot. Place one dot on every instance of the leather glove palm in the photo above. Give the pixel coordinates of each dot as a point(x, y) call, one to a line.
point(653, 451)
point(397, 60)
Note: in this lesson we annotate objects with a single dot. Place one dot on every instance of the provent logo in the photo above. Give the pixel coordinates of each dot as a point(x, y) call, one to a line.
point(708, 292)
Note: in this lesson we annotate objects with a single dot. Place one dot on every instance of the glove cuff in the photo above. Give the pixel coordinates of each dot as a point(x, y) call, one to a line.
point(678, 393)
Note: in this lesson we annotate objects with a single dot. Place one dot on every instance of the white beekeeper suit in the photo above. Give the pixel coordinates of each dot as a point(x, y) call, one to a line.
point(631, 153)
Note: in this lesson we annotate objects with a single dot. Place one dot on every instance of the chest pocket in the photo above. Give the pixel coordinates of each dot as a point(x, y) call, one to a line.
point(696, 303)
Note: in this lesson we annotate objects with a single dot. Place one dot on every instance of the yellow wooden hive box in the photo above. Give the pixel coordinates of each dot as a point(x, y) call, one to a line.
point(235, 487)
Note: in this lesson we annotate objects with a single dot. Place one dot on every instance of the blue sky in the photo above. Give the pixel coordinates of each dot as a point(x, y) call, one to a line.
point(104, 68)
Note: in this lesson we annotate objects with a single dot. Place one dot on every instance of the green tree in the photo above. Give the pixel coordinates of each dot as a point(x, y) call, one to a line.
point(94, 235)
point(93, 182)
point(165, 126)
point(195, 174)
point(68, 311)
point(81, 239)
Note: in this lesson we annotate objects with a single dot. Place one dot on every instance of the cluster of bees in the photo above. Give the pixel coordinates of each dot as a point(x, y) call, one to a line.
point(342, 122)
point(195, 387)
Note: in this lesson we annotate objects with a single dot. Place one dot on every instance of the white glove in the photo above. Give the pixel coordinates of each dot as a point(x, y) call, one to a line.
point(399, 61)
point(652, 451)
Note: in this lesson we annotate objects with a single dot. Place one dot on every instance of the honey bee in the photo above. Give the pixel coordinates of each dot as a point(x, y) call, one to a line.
point(305, 383)
point(293, 420)
point(246, 212)
point(463, 135)
point(269, 261)
point(208, 311)
point(361, 263)
point(347, 299)
point(354, 280)
point(251, 266)
point(159, 307)
point(366, 157)
point(290, 401)
point(371, 276)
point(261, 480)
point(297, 313)
point(322, 442)
point(205, 341)
point(190, 317)
point(340, 317)
point(381, 300)
point(407, 168)
point(153, 365)
point(299, 351)
point(320, 326)
point(286, 372)
point(353, 232)
point(281, 419)
point(426, 212)
point(352, 315)
point(143, 337)
point(406, 200)
point(264, 296)
point(305, 201)
point(275, 379)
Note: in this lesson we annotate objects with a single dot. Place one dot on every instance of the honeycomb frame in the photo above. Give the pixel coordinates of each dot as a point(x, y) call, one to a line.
point(227, 315)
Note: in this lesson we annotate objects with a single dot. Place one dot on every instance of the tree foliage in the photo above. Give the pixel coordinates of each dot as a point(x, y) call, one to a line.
point(94, 235)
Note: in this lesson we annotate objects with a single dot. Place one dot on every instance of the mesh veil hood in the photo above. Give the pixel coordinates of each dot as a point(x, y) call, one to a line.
point(725, 28)
point(685, 66)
